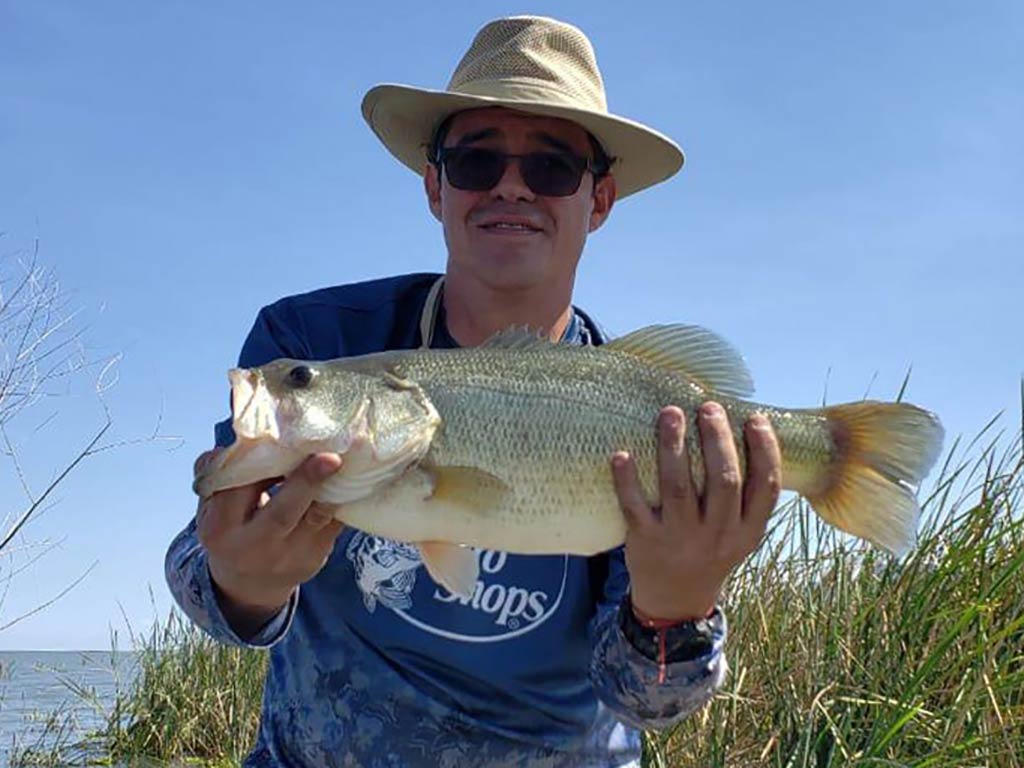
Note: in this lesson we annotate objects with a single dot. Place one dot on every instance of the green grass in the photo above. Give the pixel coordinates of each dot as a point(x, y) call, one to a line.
point(842, 656)
point(194, 699)
point(839, 655)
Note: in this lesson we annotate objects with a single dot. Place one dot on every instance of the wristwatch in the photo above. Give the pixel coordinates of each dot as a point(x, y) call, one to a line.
point(685, 641)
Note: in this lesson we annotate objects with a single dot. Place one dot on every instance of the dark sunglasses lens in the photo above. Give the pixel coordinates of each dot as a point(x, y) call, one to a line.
point(551, 174)
point(474, 169)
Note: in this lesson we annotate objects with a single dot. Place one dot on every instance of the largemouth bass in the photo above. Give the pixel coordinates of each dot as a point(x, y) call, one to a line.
point(507, 446)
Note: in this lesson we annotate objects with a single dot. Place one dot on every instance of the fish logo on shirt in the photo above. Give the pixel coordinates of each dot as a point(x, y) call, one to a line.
point(385, 570)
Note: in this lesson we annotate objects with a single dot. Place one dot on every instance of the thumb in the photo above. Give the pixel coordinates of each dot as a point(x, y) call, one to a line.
point(203, 460)
point(320, 466)
point(298, 491)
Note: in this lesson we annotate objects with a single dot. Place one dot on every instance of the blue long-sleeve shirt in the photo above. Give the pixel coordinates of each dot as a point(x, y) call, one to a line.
point(373, 664)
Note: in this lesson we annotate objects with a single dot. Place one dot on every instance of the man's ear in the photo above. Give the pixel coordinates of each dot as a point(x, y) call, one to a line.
point(604, 199)
point(432, 186)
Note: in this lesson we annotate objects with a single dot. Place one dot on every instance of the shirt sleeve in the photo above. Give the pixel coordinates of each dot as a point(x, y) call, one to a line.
point(630, 683)
point(188, 578)
point(185, 565)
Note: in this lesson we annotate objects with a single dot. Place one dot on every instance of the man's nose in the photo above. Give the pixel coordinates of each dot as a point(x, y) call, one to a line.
point(511, 186)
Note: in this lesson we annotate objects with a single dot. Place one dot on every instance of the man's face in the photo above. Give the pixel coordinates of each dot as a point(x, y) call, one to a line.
point(508, 237)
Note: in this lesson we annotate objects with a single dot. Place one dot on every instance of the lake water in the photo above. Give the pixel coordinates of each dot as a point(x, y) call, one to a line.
point(50, 696)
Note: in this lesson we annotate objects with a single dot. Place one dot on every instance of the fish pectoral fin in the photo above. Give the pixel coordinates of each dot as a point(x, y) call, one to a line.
point(696, 352)
point(452, 566)
point(469, 488)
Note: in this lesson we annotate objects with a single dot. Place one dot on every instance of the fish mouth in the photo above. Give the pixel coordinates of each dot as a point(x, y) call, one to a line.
point(257, 453)
point(254, 412)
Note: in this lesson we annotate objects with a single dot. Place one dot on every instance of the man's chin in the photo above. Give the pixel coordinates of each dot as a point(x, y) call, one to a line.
point(512, 272)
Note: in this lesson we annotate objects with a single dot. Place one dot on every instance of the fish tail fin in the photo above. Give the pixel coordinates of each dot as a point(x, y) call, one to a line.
point(884, 450)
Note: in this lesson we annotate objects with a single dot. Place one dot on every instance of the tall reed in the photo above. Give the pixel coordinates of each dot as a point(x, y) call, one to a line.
point(192, 698)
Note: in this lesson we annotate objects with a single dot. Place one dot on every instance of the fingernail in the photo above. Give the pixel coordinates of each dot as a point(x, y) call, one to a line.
point(711, 410)
point(325, 467)
point(619, 460)
point(671, 420)
point(759, 421)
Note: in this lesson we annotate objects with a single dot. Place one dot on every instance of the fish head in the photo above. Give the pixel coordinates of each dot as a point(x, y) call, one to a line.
point(286, 410)
point(281, 413)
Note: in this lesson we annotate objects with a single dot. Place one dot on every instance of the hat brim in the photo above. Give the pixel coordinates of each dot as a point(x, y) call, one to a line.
point(405, 118)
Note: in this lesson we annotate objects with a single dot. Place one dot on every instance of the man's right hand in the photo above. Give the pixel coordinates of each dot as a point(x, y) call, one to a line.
point(261, 547)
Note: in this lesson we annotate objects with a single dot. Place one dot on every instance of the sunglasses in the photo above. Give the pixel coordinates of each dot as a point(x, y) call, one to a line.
point(477, 169)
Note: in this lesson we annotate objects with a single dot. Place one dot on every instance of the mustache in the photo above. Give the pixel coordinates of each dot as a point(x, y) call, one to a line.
point(494, 211)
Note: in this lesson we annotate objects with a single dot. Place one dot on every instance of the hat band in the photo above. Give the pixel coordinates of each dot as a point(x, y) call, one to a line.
point(528, 91)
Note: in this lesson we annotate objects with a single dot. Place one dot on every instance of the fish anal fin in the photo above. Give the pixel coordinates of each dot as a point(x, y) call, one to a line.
point(699, 354)
point(452, 566)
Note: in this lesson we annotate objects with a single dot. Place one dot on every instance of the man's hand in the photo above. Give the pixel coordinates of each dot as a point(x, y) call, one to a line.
point(679, 557)
point(261, 547)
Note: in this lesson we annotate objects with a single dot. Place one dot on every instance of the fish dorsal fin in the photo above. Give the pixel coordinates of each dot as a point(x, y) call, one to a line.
point(701, 355)
point(517, 337)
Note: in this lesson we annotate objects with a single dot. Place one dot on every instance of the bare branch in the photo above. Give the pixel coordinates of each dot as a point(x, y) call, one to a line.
point(49, 602)
point(87, 451)
point(18, 470)
point(42, 351)
point(43, 548)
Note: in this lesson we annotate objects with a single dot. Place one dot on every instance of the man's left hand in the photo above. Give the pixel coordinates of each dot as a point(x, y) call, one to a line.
point(680, 555)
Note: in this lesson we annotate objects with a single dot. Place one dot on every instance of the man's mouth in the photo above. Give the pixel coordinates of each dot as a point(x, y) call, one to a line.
point(510, 227)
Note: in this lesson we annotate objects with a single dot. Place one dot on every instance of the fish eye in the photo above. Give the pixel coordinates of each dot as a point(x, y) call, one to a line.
point(300, 376)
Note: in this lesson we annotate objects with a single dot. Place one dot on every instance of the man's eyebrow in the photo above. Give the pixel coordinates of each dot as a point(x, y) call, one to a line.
point(551, 141)
point(486, 133)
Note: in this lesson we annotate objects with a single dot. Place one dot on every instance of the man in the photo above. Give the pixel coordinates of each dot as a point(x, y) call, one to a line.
point(554, 660)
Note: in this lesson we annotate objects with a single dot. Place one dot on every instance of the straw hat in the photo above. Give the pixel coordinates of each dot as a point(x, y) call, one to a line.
point(532, 64)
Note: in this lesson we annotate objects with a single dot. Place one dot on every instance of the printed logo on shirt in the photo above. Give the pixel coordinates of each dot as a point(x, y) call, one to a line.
point(385, 570)
point(500, 608)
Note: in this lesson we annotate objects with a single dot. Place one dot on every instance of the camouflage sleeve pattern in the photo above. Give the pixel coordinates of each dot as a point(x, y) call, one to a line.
point(634, 686)
point(189, 580)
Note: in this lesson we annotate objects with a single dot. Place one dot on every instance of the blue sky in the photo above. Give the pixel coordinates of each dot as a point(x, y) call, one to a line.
point(851, 206)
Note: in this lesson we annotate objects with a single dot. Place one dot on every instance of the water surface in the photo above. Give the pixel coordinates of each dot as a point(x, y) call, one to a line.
point(51, 697)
